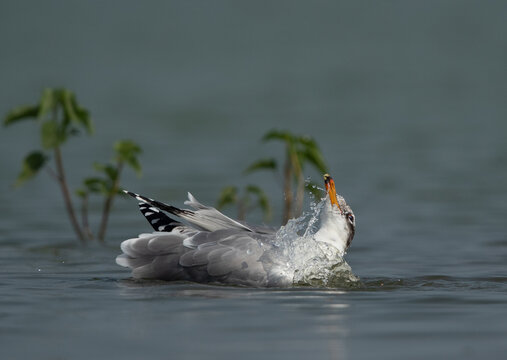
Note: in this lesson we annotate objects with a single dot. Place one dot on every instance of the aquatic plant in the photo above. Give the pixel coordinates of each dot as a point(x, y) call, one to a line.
point(244, 200)
point(299, 151)
point(108, 185)
point(60, 117)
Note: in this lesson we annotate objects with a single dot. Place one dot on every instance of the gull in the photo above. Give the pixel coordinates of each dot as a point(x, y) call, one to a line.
point(205, 246)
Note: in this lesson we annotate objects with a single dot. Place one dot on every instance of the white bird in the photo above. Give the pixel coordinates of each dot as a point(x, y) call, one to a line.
point(205, 246)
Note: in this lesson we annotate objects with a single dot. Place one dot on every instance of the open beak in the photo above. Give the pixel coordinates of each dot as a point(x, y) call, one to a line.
point(328, 180)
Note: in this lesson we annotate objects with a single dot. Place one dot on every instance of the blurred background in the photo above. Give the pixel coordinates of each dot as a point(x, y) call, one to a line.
point(407, 100)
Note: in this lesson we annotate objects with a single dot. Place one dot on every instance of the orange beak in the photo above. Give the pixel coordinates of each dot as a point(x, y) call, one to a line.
point(328, 180)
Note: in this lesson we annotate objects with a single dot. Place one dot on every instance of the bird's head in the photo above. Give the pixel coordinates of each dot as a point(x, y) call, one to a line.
point(339, 223)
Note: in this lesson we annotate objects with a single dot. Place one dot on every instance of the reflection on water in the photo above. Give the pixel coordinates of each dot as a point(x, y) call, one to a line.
point(177, 289)
point(301, 320)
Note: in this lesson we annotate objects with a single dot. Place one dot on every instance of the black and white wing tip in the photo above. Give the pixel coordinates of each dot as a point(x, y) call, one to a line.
point(157, 219)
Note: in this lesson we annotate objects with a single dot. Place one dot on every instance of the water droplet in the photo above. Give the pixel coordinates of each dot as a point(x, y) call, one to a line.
point(309, 261)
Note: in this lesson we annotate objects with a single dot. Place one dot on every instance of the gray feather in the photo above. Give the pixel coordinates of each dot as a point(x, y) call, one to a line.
point(213, 248)
point(164, 244)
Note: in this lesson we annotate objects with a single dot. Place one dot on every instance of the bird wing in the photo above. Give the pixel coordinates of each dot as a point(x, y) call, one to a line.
point(203, 218)
point(209, 218)
point(157, 219)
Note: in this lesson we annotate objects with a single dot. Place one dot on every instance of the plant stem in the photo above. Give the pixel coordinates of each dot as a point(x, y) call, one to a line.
point(287, 186)
point(300, 185)
point(52, 173)
point(241, 208)
point(84, 219)
point(109, 203)
point(66, 194)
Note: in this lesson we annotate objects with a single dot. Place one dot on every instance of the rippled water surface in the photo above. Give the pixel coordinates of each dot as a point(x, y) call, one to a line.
point(75, 303)
point(406, 99)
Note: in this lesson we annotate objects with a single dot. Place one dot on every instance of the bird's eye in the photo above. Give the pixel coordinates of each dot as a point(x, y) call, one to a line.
point(351, 218)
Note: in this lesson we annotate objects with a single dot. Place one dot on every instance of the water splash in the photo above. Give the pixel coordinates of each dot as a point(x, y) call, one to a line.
point(311, 263)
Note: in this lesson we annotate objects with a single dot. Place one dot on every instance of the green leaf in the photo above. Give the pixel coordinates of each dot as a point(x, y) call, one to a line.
point(263, 200)
point(306, 141)
point(82, 193)
point(126, 151)
point(47, 103)
point(111, 172)
point(21, 113)
point(73, 112)
point(32, 163)
point(108, 169)
point(285, 136)
point(135, 165)
point(228, 196)
point(51, 135)
point(307, 151)
point(98, 167)
point(126, 148)
point(262, 164)
point(68, 105)
point(314, 157)
point(96, 185)
point(83, 116)
point(85, 120)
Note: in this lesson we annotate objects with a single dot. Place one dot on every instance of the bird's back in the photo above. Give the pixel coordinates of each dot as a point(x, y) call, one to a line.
point(231, 256)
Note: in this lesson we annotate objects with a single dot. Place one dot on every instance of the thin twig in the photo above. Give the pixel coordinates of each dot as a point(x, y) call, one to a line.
point(241, 209)
point(52, 174)
point(109, 203)
point(287, 188)
point(300, 187)
point(66, 194)
point(84, 218)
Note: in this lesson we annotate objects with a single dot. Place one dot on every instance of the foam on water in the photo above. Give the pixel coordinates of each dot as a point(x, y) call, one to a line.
point(311, 262)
